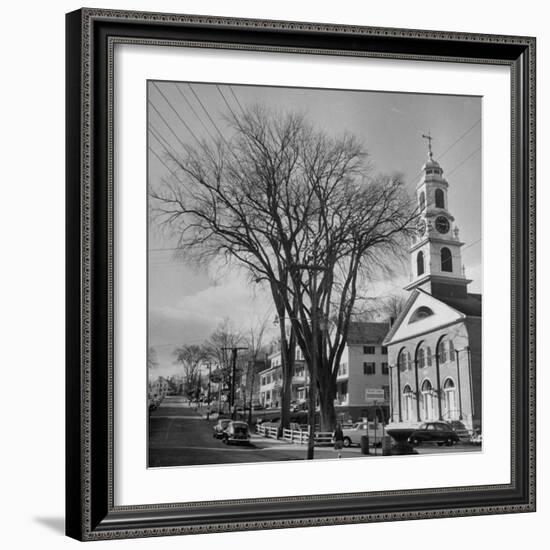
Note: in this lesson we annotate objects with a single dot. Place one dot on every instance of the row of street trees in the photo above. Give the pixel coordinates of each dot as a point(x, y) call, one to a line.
point(212, 361)
point(302, 212)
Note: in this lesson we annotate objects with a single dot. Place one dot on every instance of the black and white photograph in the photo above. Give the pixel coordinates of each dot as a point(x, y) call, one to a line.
point(314, 274)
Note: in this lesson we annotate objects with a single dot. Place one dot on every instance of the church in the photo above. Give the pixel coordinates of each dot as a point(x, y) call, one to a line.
point(434, 346)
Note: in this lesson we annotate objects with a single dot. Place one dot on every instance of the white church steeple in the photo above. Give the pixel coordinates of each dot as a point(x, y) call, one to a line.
point(436, 259)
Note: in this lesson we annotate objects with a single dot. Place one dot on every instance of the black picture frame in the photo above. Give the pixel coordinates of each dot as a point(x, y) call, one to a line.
point(90, 511)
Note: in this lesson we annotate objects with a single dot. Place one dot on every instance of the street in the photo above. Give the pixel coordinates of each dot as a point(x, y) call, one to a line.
point(179, 436)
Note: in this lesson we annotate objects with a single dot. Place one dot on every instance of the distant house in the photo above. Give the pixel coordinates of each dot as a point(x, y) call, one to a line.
point(248, 389)
point(157, 390)
point(364, 366)
point(271, 380)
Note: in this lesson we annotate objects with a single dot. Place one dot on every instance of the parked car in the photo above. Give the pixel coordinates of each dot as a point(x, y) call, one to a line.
point(219, 428)
point(476, 438)
point(353, 434)
point(463, 433)
point(441, 433)
point(236, 432)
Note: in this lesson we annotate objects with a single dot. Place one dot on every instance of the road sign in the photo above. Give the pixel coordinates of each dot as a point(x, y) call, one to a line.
point(374, 395)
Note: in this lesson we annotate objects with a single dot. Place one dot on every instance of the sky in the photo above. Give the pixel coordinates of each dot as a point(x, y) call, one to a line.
point(186, 304)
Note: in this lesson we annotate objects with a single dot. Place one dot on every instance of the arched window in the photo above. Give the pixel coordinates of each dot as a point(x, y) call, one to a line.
point(439, 198)
point(409, 360)
point(449, 395)
point(421, 313)
point(422, 201)
point(402, 360)
point(420, 263)
point(429, 356)
point(421, 358)
point(408, 408)
point(446, 260)
point(427, 401)
point(451, 351)
point(442, 352)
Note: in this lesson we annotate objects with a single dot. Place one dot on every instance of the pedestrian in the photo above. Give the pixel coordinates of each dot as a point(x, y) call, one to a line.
point(338, 438)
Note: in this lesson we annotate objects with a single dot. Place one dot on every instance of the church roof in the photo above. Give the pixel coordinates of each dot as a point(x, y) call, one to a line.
point(367, 332)
point(471, 305)
point(431, 163)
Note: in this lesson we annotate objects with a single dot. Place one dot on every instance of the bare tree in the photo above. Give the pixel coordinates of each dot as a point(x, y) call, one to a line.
point(382, 308)
point(254, 339)
point(190, 357)
point(224, 338)
point(393, 306)
point(152, 359)
point(281, 196)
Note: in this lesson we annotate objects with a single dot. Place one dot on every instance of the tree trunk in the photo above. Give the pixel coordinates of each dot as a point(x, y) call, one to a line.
point(288, 350)
point(327, 393)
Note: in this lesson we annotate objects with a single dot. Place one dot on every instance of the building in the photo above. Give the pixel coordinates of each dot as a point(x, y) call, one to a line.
point(363, 367)
point(271, 380)
point(248, 386)
point(157, 390)
point(434, 347)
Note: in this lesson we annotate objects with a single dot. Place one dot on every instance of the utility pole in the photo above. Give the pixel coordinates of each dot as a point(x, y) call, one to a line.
point(234, 351)
point(312, 269)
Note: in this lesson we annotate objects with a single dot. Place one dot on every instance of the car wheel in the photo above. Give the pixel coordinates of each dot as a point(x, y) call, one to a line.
point(415, 441)
point(225, 440)
point(347, 442)
point(449, 442)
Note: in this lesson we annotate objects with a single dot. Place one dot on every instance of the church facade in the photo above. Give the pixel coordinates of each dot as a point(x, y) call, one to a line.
point(434, 346)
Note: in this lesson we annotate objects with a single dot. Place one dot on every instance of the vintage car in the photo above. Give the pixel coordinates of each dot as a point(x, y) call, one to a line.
point(353, 434)
point(434, 432)
point(220, 427)
point(463, 433)
point(236, 432)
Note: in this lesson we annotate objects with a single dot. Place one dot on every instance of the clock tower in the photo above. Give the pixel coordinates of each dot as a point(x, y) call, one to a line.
point(435, 252)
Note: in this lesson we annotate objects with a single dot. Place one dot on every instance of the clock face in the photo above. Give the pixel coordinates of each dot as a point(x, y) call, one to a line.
point(421, 227)
point(442, 224)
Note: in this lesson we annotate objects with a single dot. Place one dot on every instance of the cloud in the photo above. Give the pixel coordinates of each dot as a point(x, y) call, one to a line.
point(194, 317)
point(233, 297)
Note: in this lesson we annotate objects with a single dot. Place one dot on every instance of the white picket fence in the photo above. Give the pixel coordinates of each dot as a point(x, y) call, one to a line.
point(267, 430)
point(300, 437)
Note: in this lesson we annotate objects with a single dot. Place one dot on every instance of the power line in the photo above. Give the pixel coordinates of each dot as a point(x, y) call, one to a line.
point(164, 163)
point(451, 146)
point(194, 112)
point(236, 98)
point(161, 139)
point(458, 139)
point(226, 102)
point(471, 244)
point(178, 115)
point(169, 127)
point(206, 111)
point(461, 163)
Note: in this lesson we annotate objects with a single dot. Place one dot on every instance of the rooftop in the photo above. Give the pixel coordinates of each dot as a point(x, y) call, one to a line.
point(471, 305)
point(367, 333)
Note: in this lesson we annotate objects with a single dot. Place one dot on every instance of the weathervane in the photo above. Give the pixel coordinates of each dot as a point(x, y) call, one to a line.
point(429, 137)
